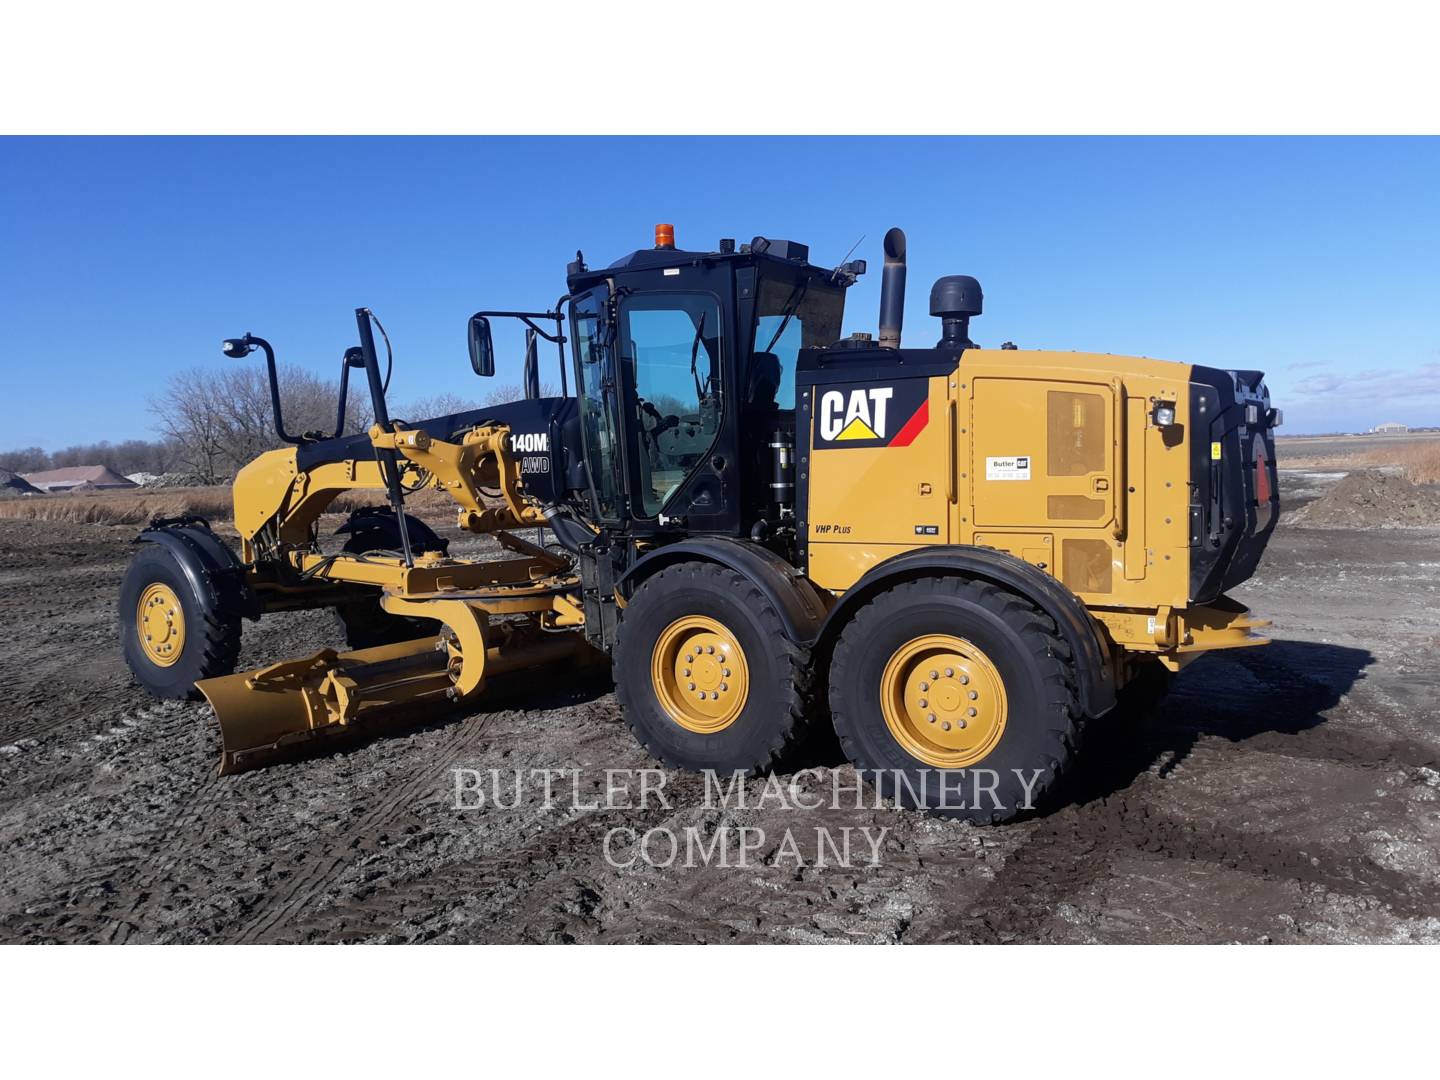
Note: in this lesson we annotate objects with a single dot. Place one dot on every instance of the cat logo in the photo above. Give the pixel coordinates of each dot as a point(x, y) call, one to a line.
point(868, 415)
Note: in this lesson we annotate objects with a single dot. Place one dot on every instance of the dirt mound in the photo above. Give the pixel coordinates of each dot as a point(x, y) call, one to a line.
point(1373, 500)
point(13, 485)
point(175, 479)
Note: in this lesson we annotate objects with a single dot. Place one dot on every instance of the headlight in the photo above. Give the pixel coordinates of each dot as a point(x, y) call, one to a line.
point(1163, 415)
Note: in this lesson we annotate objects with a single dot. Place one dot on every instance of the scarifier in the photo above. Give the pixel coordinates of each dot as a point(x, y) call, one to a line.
point(968, 554)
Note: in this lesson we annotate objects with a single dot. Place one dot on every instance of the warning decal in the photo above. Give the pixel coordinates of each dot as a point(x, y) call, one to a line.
point(1007, 468)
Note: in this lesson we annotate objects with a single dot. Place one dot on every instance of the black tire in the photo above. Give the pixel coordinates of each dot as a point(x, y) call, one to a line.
point(1034, 666)
point(780, 699)
point(364, 623)
point(212, 629)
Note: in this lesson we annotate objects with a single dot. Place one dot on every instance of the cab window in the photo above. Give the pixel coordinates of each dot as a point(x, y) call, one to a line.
point(672, 341)
point(790, 315)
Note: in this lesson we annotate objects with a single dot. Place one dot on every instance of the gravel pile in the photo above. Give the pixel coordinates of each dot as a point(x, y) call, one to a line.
point(13, 485)
point(1372, 500)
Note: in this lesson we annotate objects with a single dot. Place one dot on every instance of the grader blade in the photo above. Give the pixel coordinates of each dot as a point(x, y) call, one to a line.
point(263, 712)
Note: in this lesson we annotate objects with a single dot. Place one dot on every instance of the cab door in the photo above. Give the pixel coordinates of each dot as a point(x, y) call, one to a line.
point(598, 391)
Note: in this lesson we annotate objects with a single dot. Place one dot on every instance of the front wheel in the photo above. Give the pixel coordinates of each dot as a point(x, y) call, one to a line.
point(955, 696)
point(705, 675)
point(171, 637)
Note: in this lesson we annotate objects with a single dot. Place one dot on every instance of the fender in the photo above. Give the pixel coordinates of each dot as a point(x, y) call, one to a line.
point(1078, 627)
point(800, 603)
point(215, 575)
point(381, 520)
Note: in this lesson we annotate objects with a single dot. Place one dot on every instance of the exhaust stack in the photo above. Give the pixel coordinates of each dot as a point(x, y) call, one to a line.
point(892, 290)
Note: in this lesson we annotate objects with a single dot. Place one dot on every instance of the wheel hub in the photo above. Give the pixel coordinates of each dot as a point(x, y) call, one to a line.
point(700, 674)
point(943, 701)
point(160, 624)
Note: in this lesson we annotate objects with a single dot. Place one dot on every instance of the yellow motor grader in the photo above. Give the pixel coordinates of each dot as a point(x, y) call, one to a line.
point(958, 556)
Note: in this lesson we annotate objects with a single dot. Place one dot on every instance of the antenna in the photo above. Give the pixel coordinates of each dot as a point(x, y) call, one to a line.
point(845, 269)
point(853, 246)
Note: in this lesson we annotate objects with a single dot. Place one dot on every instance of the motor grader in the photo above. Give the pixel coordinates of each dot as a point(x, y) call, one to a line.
point(958, 556)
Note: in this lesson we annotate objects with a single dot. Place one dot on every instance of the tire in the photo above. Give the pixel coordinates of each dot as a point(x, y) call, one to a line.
point(777, 700)
point(1023, 686)
point(364, 623)
point(207, 645)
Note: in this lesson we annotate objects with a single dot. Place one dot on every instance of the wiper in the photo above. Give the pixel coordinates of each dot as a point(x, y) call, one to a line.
point(792, 305)
point(701, 391)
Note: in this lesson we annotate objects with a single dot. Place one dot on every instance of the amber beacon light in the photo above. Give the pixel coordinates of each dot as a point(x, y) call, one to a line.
point(664, 236)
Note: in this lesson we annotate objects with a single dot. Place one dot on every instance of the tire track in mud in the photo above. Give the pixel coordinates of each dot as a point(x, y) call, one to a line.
point(1074, 849)
point(178, 840)
point(563, 853)
point(339, 851)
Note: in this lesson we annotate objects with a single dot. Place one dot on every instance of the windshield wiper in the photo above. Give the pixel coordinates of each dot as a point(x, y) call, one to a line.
point(701, 391)
point(792, 305)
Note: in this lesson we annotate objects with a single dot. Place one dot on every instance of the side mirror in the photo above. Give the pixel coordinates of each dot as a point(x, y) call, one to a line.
point(482, 352)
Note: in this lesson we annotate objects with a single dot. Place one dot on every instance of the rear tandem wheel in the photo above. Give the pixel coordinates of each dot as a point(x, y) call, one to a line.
point(956, 696)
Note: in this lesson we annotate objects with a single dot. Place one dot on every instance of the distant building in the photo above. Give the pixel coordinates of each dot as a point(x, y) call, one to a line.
point(93, 477)
point(1392, 428)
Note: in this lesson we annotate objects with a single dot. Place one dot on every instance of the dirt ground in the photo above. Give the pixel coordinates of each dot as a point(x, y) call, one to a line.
point(1282, 794)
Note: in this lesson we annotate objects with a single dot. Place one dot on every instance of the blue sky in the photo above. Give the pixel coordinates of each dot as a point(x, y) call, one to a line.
point(124, 260)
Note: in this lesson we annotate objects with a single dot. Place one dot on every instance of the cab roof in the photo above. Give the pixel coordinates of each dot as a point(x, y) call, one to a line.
point(783, 252)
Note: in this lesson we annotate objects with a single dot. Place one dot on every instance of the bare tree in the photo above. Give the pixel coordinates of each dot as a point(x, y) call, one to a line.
point(217, 420)
point(429, 407)
point(503, 395)
point(190, 416)
point(27, 459)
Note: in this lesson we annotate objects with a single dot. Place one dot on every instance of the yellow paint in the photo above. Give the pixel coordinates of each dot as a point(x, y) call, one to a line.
point(944, 701)
point(1105, 508)
point(700, 674)
point(160, 624)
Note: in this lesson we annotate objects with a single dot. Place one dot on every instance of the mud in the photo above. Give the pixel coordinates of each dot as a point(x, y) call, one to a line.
point(1281, 794)
point(1372, 499)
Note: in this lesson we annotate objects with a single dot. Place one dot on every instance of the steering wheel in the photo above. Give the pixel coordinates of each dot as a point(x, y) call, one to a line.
point(661, 423)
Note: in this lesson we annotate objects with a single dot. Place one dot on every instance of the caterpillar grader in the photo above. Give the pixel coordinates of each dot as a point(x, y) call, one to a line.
point(957, 556)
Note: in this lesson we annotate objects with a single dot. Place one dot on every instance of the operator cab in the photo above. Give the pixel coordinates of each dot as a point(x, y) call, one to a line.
point(685, 376)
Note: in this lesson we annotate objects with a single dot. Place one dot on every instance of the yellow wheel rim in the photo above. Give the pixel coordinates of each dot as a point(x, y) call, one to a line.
point(160, 624)
point(943, 701)
point(700, 674)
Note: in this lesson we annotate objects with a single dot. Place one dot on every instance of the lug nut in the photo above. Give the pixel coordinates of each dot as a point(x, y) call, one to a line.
point(970, 712)
point(934, 674)
point(931, 718)
point(946, 725)
point(924, 704)
point(690, 686)
point(949, 672)
point(726, 673)
point(687, 673)
point(960, 724)
point(964, 680)
point(724, 686)
point(924, 686)
point(973, 695)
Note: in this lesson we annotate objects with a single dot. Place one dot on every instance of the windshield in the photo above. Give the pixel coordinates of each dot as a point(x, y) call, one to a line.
point(795, 314)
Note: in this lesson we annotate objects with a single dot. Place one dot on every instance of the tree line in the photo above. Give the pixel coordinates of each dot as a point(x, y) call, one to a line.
point(210, 422)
